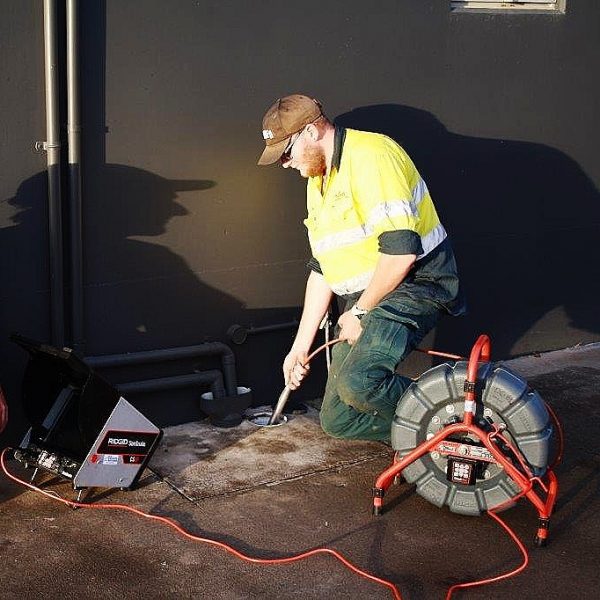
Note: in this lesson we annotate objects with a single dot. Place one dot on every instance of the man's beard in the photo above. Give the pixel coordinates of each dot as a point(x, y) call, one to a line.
point(314, 162)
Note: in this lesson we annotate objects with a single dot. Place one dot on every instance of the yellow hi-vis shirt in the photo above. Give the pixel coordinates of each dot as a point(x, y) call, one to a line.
point(373, 187)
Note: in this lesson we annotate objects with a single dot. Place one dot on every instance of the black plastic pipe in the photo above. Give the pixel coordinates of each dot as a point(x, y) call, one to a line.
point(239, 333)
point(212, 377)
point(155, 356)
point(52, 148)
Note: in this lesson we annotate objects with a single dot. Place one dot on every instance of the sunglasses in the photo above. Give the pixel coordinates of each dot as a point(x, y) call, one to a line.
point(287, 153)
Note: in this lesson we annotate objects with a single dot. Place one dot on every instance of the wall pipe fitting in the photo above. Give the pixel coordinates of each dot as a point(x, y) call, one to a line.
point(74, 175)
point(154, 356)
point(52, 148)
point(239, 333)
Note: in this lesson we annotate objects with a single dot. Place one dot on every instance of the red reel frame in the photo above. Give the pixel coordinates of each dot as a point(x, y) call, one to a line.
point(526, 481)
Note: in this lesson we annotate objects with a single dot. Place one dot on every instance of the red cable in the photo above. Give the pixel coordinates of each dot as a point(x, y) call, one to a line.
point(520, 568)
point(222, 545)
point(561, 438)
point(517, 454)
point(441, 354)
point(322, 347)
point(286, 560)
point(491, 513)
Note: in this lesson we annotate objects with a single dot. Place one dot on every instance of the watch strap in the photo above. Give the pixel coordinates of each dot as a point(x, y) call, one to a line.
point(358, 312)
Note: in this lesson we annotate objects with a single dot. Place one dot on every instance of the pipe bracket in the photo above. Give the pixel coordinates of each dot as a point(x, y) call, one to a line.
point(41, 146)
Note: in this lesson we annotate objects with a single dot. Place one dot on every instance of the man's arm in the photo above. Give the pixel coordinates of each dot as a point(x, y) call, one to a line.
point(390, 272)
point(316, 302)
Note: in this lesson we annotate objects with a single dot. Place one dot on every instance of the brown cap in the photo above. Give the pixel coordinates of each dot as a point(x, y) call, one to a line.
point(286, 117)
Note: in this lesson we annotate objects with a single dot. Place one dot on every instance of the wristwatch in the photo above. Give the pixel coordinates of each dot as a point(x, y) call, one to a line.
point(358, 312)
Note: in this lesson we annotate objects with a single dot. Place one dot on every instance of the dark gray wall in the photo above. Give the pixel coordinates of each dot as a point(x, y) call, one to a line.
point(24, 297)
point(185, 236)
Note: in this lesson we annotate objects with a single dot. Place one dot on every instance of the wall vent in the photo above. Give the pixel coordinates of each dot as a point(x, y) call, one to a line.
point(547, 6)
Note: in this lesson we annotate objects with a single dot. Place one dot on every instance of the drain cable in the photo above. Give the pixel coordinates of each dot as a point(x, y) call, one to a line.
point(287, 390)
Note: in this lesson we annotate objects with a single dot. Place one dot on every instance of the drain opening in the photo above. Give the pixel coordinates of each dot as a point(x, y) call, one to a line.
point(262, 420)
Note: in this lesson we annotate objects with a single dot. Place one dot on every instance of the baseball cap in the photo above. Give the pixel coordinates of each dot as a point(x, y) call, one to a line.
point(286, 117)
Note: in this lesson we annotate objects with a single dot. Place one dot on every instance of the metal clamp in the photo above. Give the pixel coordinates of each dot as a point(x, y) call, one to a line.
point(41, 146)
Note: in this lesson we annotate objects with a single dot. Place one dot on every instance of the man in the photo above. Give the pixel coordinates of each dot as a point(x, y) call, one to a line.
point(377, 242)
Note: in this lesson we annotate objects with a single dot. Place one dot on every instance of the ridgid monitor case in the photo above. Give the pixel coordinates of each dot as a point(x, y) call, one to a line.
point(81, 428)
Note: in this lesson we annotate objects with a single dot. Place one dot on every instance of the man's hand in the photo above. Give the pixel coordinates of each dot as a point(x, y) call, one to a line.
point(316, 302)
point(350, 327)
point(293, 370)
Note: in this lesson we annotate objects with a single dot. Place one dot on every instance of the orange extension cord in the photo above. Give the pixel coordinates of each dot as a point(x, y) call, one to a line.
point(196, 538)
point(492, 512)
point(286, 560)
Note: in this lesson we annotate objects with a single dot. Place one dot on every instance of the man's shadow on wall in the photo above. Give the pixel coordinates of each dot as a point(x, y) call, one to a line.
point(138, 293)
point(523, 219)
point(146, 296)
point(135, 287)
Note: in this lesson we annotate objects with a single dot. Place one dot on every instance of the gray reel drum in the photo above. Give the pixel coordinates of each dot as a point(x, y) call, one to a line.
point(436, 399)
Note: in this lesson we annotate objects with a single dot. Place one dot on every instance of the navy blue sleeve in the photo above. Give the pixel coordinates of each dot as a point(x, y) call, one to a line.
point(313, 265)
point(400, 241)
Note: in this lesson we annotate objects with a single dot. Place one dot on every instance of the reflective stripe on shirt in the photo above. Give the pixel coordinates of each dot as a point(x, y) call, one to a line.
point(374, 189)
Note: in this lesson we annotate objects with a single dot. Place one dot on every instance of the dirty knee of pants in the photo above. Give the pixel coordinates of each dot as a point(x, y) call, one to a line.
point(342, 421)
point(371, 391)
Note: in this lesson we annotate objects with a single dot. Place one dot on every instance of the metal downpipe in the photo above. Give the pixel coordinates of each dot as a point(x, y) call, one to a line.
point(74, 175)
point(52, 147)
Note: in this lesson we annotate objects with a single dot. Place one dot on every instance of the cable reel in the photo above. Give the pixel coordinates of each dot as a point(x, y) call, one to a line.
point(460, 471)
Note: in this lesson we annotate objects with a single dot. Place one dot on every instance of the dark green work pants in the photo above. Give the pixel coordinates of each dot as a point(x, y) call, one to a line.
point(363, 388)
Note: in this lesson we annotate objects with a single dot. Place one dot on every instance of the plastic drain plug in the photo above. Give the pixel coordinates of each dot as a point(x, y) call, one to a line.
point(262, 420)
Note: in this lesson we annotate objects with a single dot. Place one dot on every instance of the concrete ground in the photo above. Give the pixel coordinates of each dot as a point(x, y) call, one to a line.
point(281, 491)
